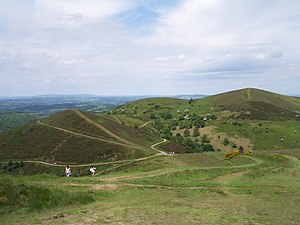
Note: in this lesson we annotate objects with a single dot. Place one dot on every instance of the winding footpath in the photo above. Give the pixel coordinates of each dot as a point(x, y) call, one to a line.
point(145, 124)
point(121, 142)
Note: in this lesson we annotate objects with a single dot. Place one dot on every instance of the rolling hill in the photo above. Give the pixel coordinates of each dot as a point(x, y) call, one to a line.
point(253, 103)
point(75, 137)
point(246, 103)
point(135, 184)
point(251, 118)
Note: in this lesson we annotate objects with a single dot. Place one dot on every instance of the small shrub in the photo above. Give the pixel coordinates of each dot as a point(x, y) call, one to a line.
point(226, 141)
point(21, 164)
point(16, 165)
point(10, 163)
point(186, 133)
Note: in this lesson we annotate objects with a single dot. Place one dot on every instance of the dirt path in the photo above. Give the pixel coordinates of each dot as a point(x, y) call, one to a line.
point(91, 137)
point(295, 160)
point(130, 145)
point(159, 143)
point(104, 129)
point(117, 119)
point(159, 173)
point(247, 93)
point(145, 124)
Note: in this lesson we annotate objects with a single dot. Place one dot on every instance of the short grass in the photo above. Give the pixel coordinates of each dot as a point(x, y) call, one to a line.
point(265, 134)
point(129, 120)
point(192, 190)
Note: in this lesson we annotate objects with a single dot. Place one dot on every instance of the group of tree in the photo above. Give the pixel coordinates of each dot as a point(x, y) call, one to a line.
point(10, 165)
point(191, 145)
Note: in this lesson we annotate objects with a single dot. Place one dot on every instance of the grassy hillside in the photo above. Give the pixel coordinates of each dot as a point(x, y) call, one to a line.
point(66, 137)
point(245, 103)
point(230, 116)
point(257, 104)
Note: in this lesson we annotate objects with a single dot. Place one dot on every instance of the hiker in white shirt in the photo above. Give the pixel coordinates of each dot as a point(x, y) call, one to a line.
point(92, 170)
point(68, 170)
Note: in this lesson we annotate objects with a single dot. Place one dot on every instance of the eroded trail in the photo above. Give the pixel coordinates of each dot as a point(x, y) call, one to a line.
point(104, 129)
point(145, 124)
point(92, 137)
point(122, 142)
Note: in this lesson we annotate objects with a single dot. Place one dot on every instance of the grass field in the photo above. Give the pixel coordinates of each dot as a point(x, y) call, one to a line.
point(182, 189)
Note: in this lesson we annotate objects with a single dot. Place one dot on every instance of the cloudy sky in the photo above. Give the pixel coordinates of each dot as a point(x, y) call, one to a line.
point(141, 47)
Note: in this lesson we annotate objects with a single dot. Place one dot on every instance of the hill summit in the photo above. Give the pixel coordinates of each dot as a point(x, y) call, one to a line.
point(253, 103)
point(248, 103)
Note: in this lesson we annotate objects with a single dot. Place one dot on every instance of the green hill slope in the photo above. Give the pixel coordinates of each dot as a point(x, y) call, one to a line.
point(257, 104)
point(251, 118)
point(246, 103)
point(75, 137)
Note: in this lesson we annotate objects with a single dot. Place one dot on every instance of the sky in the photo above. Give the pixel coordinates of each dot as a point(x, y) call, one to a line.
point(148, 47)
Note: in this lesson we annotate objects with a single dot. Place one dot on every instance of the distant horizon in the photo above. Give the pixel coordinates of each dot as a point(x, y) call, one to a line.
point(138, 95)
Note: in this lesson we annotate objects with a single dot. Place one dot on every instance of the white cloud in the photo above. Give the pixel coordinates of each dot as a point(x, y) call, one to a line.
point(188, 44)
point(64, 13)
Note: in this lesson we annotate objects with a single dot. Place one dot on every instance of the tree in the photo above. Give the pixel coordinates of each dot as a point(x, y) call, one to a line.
point(174, 123)
point(189, 143)
point(208, 148)
point(10, 163)
point(16, 165)
point(181, 126)
point(166, 115)
point(157, 124)
point(189, 125)
point(3, 166)
point(226, 141)
point(179, 139)
point(205, 139)
point(152, 116)
point(186, 133)
point(180, 117)
point(196, 132)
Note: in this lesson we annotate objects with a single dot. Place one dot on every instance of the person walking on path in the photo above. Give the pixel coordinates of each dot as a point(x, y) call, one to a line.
point(92, 170)
point(68, 170)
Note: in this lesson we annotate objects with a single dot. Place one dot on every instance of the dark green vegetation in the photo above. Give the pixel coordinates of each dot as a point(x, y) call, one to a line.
point(9, 120)
point(250, 118)
point(73, 137)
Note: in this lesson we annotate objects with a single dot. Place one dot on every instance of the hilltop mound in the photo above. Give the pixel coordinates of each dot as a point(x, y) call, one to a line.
point(246, 103)
point(253, 103)
point(75, 137)
point(259, 118)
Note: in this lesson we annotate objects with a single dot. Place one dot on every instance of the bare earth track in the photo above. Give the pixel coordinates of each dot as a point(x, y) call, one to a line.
point(120, 141)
